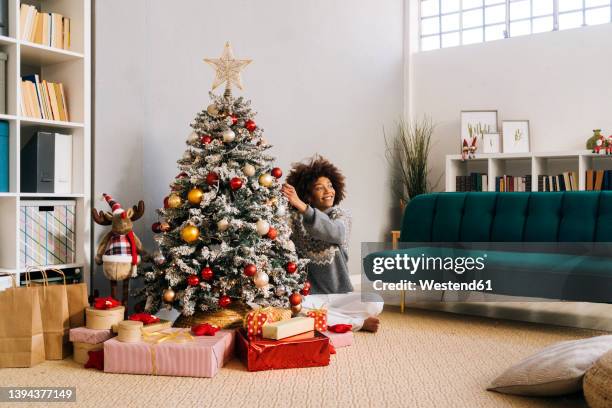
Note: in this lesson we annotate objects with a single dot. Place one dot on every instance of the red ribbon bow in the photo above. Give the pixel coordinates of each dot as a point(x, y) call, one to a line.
point(145, 318)
point(340, 328)
point(106, 303)
point(204, 329)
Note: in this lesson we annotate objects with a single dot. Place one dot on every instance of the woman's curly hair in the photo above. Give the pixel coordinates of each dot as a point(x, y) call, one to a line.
point(303, 176)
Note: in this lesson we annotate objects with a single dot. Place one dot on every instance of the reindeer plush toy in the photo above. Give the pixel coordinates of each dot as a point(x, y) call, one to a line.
point(119, 250)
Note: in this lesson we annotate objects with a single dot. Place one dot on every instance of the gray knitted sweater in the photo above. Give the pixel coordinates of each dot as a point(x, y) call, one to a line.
point(322, 237)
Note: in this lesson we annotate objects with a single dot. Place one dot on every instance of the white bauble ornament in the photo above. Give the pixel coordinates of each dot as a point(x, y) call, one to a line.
point(193, 137)
point(266, 180)
point(261, 279)
point(223, 225)
point(158, 258)
point(281, 210)
point(262, 227)
point(212, 110)
point(248, 170)
point(228, 135)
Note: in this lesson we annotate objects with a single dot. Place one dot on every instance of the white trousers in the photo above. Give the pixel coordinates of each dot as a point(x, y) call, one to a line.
point(344, 308)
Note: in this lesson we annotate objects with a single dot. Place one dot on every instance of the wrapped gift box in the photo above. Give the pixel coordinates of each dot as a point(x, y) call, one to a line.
point(340, 339)
point(89, 336)
point(287, 328)
point(103, 319)
point(305, 350)
point(178, 354)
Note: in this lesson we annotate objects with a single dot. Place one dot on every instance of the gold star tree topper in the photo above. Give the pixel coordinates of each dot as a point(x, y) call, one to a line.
point(227, 68)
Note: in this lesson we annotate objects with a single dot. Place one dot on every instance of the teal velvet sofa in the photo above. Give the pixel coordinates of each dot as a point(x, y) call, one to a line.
point(541, 244)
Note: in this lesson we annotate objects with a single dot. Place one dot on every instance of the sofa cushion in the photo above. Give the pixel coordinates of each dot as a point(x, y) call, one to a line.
point(510, 215)
point(478, 213)
point(543, 217)
point(447, 218)
point(418, 218)
point(579, 213)
point(603, 231)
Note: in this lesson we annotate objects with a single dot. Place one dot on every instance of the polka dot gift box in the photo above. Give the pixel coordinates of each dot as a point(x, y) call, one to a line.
point(320, 316)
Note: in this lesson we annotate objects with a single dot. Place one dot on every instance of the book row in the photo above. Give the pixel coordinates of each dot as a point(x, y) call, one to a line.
point(42, 99)
point(566, 181)
point(513, 183)
point(50, 29)
point(473, 182)
point(598, 180)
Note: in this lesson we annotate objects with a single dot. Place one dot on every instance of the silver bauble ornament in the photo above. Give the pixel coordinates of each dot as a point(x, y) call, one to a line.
point(280, 291)
point(212, 110)
point(223, 225)
point(261, 279)
point(159, 259)
point(228, 135)
point(262, 227)
point(248, 170)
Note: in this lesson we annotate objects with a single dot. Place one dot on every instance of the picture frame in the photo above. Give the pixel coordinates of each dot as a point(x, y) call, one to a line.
point(515, 135)
point(491, 143)
point(477, 123)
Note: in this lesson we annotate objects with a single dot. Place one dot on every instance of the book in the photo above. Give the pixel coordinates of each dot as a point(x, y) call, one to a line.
point(599, 174)
point(485, 182)
point(66, 33)
point(53, 99)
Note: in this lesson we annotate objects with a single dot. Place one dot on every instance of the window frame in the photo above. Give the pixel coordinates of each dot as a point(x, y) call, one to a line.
point(507, 31)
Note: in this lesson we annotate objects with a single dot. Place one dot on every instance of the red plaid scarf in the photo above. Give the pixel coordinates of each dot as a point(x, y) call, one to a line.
point(123, 245)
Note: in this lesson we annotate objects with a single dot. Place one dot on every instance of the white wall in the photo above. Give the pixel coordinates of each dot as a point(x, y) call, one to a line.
point(326, 77)
point(559, 81)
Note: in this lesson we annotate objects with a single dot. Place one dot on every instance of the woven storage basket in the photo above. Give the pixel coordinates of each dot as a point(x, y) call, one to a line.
point(597, 383)
point(229, 318)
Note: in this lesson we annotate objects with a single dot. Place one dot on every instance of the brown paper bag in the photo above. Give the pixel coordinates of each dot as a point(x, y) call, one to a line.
point(77, 302)
point(21, 332)
point(55, 318)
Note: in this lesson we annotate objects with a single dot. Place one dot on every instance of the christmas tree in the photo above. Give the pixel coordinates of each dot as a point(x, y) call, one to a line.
point(223, 233)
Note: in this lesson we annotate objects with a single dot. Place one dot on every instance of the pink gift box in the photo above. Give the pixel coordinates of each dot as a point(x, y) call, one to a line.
point(183, 356)
point(340, 339)
point(89, 336)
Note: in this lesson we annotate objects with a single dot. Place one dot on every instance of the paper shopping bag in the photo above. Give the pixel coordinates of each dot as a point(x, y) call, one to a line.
point(55, 318)
point(77, 302)
point(21, 332)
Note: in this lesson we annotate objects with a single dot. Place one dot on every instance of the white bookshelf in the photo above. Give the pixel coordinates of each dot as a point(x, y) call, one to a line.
point(521, 164)
point(71, 67)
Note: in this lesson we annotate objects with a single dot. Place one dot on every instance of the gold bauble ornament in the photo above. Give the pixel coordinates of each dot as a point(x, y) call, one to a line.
point(272, 202)
point(190, 233)
point(248, 170)
point(212, 110)
point(228, 135)
point(174, 201)
point(296, 309)
point(193, 137)
point(266, 180)
point(195, 196)
point(261, 279)
point(169, 295)
point(223, 224)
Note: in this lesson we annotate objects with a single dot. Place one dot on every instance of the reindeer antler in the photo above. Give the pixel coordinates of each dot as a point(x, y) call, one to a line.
point(138, 210)
point(98, 217)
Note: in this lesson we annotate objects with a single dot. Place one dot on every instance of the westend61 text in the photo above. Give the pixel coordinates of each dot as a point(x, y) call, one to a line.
point(475, 285)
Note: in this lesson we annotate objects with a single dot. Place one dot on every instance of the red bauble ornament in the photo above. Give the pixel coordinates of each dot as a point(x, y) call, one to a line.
point(277, 172)
point(212, 178)
point(182, 175)
point(250, 270)
point(305, 292)
point(307, 285)
point(193, 280)
point(235, 183)
point(206, 139)
point(166, 202)
point(156, 227)
point(207, 273)
point(295, 299)
point(234, 119)
point(250, 125)
point(291, 267)
point(272, 233)
point(224, 301)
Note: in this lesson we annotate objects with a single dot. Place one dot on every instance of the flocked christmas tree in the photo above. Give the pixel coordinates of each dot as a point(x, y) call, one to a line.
point(223, 234)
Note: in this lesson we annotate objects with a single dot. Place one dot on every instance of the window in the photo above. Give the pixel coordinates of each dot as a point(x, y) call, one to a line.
point(448, 23)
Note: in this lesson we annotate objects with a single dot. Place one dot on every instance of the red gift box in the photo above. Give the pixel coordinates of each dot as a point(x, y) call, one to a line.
point(304, 350)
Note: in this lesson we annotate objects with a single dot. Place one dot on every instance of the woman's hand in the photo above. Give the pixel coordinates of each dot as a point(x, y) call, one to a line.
point(291, 195)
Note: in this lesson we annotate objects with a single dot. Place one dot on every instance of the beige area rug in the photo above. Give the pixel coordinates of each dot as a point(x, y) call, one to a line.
point(418, 359)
